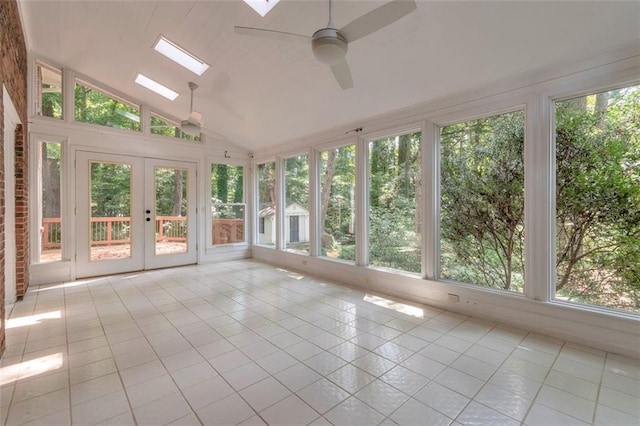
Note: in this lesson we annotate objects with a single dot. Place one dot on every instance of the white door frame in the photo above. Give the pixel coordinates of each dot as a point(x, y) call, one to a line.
point(142, 231)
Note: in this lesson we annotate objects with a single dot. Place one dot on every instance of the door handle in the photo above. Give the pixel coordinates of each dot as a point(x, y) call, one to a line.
point(148, 219)
point(148, 211)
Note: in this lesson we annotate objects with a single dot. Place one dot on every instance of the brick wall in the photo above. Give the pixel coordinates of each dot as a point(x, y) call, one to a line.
point(13, 76)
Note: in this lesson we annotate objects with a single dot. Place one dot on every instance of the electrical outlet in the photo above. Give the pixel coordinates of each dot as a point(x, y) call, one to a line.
point(454, 298)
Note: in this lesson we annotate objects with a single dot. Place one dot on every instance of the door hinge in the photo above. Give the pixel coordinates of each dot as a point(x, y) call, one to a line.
point(75, 211)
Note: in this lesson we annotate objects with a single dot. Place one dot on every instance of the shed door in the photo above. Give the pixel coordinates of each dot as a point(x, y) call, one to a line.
point(294, 229)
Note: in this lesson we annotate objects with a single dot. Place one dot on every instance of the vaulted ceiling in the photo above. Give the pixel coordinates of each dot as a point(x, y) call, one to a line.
point(260, 93)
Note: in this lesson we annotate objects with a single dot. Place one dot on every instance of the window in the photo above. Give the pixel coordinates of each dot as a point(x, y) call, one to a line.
point(482, 202)
point(49, 87)
point(395, 186)
point(296, 180)
point(267, 203)
point(337, 202)
point(97, 107)
point(164, 127)
point(227, 204)
point(49, 185)
point(598, 199)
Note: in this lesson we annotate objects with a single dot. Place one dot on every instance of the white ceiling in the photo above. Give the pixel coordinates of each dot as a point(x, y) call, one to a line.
point(261, 93)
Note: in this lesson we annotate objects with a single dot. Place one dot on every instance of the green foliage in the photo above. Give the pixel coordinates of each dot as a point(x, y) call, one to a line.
point(598, 199)
point(337, 171)
point(171, 191)
point(266, 185)
point(93, 106)
point(395, 185)
point(297, 180)
point(110, 190)
point(482, 201)
point(52, 104)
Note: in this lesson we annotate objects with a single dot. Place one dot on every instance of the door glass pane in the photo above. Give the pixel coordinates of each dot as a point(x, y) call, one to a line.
point(110, 221)
point(171, 210)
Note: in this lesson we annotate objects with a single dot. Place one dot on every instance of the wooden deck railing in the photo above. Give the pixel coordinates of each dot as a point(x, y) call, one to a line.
point(106, 231)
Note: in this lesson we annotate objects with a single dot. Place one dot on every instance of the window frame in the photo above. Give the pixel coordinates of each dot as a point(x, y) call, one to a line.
point(36, 101)
point(475, 114)
point(210, 161)
point(365, 139)
point(67, 241)
point(87, 82)
point(282, 217)
point(255, 236)
point(563, 92)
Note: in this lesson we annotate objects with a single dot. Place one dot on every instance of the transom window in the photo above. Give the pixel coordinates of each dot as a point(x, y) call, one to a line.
point(95, 106)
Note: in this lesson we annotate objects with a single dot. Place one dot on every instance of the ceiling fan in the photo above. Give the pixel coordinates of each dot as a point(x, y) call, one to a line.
point(329, 44)
point(192, 126)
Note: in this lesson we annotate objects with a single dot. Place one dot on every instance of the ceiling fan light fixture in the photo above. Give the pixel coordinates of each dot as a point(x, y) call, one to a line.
point(329, 46)
point(190, 128)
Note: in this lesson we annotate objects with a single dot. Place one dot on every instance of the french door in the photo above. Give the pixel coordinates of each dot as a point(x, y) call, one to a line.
point(133, 213)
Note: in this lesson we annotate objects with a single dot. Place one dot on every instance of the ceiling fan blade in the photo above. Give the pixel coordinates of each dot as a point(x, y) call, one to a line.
point(342, 74)
point(272, 34)
point(377, 19)
point(195, 117)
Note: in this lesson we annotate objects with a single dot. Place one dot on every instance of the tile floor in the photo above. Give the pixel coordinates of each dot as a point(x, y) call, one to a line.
point(247, 343)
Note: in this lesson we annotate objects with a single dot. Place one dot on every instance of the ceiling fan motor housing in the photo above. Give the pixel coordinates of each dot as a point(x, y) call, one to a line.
point(329, 46)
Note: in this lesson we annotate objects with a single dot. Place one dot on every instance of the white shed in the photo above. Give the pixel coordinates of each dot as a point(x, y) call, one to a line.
point(296, 225)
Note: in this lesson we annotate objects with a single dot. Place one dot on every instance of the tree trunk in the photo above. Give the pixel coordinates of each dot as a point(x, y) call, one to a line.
point(326, 184)
point(602, 103)
point(50, 185)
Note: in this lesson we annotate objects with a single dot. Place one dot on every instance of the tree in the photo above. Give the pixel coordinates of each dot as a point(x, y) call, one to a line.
point(482, 201)
point(598, 198)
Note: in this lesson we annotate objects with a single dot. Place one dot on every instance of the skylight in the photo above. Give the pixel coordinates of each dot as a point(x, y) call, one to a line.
point(154, 86)
point(262, 6)
point(181, 56)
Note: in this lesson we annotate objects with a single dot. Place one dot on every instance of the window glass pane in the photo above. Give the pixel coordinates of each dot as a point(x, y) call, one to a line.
point(227, 204)
point(482, 202)
point(96, 107)
point(267, 203)
point(50, 202)
point(598, 199)
point(296, 224)
point(337, 202)
point(164, 127)
point(394, 201)
point(49, 98)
